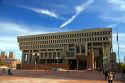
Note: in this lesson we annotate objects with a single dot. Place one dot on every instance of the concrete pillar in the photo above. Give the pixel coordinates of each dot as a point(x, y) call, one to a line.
point(92, 60)
point(86, 53)
point(28, 58)
point(32, 59)
point(23, 58)
point(77, 64)
point(80, 48)
point(46, 61)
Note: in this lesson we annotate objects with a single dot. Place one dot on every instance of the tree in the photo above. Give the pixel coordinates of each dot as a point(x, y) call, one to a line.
point(2, 63)
point(122, 66)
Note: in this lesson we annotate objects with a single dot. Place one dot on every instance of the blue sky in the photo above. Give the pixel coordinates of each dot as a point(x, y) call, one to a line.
point(25, 17)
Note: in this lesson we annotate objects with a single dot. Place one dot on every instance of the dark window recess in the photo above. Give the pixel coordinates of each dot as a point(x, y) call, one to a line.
point(77, 49)
point(71, 49)
point(83, 50)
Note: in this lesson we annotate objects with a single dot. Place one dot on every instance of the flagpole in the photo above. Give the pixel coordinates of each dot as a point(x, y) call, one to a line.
point(118, 46)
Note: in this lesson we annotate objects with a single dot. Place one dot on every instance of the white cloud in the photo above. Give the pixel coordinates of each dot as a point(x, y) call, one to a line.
point(112, 25)
point(115, 18)
point(8, 36)
point(119, 5)
point(12, 28)
point(43, 11)
point(114, 11)
point(78, 10)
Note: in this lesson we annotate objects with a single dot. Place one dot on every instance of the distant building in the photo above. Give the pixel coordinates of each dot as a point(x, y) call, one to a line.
point(11, 55)
point(89, 48)
point(9, 61)
point(3, 55)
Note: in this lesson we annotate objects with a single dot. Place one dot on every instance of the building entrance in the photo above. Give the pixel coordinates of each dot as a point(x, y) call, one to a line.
point(82, 65)
point(72, 64)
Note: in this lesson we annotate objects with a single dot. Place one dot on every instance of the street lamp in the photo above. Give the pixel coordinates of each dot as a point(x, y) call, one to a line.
point(26, 58)
point(38, 56)
point(57, 59)
point(35, 58)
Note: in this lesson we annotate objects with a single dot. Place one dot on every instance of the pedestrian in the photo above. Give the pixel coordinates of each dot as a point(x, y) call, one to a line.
point(3, 70)
point(9, 72)
point(110, 77)
point(106, 74)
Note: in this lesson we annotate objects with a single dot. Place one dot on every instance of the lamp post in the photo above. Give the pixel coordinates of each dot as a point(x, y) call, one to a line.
point(38, 56)
point(26, 58)
point(57, 59)
point(35, 58)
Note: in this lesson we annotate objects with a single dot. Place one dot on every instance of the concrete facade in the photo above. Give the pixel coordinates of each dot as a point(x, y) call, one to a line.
point(89, 48)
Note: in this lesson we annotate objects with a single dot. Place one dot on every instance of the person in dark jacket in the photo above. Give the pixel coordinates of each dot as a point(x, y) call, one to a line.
point(9, 72)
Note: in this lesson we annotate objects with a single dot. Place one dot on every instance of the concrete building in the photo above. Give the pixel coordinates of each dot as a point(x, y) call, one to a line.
point(89, 48)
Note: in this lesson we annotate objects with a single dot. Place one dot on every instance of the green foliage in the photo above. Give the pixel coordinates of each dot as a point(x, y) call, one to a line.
point(2, 63)
point(122, 66)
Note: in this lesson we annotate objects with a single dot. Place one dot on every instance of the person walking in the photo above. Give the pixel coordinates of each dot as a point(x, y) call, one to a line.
point(106, 74)
point(9, 72)
point(110, 77)
point(3, 70)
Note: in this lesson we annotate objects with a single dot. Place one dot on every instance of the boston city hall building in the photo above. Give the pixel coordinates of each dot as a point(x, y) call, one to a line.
point(89, 48)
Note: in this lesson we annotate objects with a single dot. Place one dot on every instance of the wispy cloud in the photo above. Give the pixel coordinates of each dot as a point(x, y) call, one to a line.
point(44, 11)
point(114, 11)
point(78, 10)
point(118, 5)
point(112, 25)
point(8, 36)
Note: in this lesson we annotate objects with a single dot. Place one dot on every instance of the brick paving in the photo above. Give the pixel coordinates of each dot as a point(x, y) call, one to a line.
point(55, 77)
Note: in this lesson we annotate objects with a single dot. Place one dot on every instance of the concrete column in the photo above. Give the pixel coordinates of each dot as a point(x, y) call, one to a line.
point(28, 58)
point(86, 53)
point(92, 60)
point(80, 48)
point(32, 59)
point(39, 59)
point(23, 58)
point(46, 61)
point(77, 64)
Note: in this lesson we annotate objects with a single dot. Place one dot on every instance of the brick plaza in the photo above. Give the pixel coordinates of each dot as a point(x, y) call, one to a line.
point(23, 76)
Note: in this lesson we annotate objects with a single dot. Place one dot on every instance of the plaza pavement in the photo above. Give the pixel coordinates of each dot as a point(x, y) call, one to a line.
point(23, 76)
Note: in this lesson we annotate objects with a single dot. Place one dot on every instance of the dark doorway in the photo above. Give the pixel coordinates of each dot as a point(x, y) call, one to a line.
point(72, 64)
point(82, 65)
point(99, 59)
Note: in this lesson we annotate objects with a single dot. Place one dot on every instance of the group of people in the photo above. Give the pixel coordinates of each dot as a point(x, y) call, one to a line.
point(109, 75)
point(9, 71)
